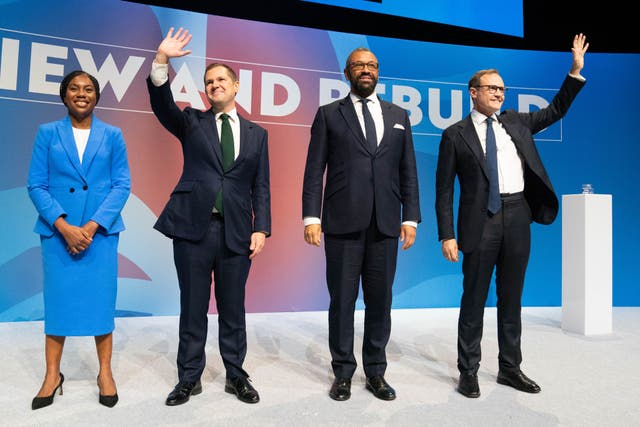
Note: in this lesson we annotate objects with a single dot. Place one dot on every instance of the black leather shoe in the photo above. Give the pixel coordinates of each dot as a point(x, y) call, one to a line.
point(182, 391)
point(380, 389)
point(468, 385)
point(41, 402)
point(340, 389)
point(241, 387)
point(519, 381)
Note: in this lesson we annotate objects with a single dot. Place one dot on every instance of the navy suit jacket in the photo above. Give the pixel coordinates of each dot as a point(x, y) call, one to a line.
point(246, 196)
point(357, 180)
point(461, 155)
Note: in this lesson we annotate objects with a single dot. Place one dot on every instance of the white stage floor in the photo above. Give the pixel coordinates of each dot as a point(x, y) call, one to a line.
point(585, 380)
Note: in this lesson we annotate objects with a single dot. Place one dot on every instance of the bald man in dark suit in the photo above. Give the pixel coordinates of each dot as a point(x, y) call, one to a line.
point(370, 200)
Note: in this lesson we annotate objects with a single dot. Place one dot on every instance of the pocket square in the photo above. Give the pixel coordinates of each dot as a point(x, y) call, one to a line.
point(398, 126)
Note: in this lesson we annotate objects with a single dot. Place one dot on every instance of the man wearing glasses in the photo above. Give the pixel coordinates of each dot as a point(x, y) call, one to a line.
point(370, 200)
point(503, 187)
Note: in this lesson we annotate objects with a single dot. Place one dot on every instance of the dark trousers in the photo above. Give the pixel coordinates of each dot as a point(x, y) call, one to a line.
point(371, 257)
point(195, 262)
point(505, 245)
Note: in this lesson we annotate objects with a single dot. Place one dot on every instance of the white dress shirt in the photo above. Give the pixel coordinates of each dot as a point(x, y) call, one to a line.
point(376, 113)
point(510, 165)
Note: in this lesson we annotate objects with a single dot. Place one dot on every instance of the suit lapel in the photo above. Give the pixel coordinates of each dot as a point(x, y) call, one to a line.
point(470, 137)
point(208, 121)
point(65, 133)
point(246, 137)
point(388, 124)
point(96, 139)
point(348, 111)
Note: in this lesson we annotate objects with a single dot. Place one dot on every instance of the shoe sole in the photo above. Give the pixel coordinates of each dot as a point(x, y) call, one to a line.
point(507, 383)
point(469, 395)
point(194, 392)
point(340, 398)
point(368, 387)
point(231, 390)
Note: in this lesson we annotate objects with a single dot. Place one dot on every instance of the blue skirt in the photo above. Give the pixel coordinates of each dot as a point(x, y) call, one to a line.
point(80, 290)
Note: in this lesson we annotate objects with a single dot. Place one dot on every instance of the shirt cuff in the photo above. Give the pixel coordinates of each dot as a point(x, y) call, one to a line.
point(577, 77)
point(159, 73)
point(414, 224)
point(308, 220)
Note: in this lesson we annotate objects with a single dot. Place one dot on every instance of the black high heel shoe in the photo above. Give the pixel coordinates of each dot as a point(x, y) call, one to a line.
point(41, 402)
point(108, 401)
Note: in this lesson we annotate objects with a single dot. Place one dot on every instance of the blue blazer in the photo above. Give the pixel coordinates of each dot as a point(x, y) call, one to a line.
point(357, 180)
point(246, 196)
point(95, 189)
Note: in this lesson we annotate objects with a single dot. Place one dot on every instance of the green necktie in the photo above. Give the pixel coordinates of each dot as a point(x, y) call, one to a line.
point(226, 142)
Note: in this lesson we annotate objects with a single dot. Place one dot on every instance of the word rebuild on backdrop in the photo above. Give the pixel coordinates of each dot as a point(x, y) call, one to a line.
point(432, 106)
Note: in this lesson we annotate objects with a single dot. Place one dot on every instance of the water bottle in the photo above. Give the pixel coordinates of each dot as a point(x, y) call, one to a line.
point(587, 189)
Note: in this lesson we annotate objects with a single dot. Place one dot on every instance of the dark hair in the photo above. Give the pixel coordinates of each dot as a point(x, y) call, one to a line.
point(474, 81)
point(232, 74)
point(64, 84)
point(358, 49)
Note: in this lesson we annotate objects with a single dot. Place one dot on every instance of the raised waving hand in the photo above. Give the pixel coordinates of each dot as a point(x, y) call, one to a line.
point(173, 45)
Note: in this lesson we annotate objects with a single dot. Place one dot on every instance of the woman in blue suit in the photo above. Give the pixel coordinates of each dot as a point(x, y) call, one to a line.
point(79, 182)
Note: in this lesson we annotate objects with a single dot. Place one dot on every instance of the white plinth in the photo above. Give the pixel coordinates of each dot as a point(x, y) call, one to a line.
point(586, 263)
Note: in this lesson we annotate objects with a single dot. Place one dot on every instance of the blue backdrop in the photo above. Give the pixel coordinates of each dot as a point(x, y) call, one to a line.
point(285, 73)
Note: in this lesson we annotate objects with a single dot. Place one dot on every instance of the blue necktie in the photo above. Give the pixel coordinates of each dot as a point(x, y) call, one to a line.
point(369, 127)
point(492, 168)
point(226, 142)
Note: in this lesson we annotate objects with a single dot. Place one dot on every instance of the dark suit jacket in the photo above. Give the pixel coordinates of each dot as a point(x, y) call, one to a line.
point(357, 179)
point(461, 154)
point(246, 197)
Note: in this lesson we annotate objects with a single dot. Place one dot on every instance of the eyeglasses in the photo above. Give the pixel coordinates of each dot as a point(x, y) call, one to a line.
point(360, 65)
point(493, 88)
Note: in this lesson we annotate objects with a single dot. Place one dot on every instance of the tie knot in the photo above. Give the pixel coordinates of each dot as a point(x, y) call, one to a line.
point(489, 120)
point(224, 117)
point(364, 100)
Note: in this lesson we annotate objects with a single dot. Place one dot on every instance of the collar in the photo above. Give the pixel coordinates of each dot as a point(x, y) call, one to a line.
point(479, 118)
point(373, 98)
point(233, 115)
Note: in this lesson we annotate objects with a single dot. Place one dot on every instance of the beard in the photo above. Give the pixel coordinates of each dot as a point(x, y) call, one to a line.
point(363, 88)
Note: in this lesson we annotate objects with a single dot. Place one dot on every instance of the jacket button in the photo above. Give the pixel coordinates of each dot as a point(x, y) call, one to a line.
point(71, 190)
point(85, 187)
